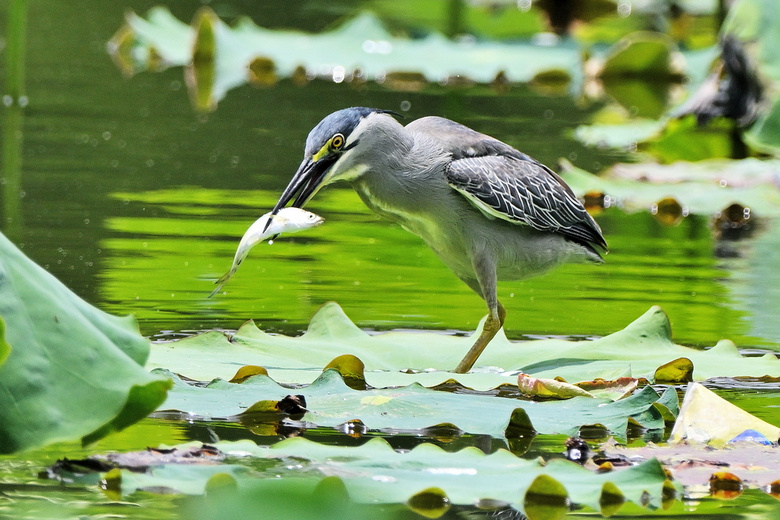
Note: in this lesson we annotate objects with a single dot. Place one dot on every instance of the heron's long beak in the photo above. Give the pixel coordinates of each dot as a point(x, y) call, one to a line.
point(305, 183)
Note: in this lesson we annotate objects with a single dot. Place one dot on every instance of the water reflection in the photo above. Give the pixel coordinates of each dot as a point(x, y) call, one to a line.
point(162, 267)
point(754, 280)
point(11, 179)
point(14, 101)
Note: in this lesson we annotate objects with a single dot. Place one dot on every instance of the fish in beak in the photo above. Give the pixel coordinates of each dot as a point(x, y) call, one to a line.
point(305, 183)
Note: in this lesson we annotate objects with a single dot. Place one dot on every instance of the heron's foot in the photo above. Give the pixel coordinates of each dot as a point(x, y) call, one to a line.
point(489, 330)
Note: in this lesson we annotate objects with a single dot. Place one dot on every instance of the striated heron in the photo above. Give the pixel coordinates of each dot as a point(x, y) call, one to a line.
point(487, 210)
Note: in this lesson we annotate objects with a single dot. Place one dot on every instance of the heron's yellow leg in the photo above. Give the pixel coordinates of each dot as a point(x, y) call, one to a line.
point(493, 324)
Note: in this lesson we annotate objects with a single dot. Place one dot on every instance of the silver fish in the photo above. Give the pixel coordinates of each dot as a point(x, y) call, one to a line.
point(288, 220)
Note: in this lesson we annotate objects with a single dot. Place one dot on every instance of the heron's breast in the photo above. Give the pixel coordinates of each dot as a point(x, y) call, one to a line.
point(433, 224)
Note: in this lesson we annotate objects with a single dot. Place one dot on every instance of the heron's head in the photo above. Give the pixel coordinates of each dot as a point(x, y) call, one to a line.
point(329, 148)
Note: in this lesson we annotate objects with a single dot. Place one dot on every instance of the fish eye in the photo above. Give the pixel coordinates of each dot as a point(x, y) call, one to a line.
point(337, 141)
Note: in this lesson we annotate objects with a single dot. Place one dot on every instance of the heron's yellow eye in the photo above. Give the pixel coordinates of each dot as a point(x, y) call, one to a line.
point(337, 141)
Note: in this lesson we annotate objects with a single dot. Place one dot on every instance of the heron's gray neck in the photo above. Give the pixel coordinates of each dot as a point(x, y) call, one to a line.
point(403, 168)
point(399, 182)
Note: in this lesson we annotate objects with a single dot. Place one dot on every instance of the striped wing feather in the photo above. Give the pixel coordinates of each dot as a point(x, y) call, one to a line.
point(519, 189)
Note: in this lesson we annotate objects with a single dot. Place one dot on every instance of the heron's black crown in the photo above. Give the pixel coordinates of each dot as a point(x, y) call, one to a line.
point(343, 122)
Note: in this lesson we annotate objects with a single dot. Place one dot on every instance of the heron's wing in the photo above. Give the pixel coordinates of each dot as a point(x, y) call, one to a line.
point(514, 187)
point(505, 183)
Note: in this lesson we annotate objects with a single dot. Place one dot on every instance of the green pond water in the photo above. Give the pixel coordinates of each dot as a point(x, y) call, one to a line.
point(136, 202)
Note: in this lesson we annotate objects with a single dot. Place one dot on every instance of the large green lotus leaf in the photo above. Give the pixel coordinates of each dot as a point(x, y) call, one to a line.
point(376, 473)
point(361, 44)
point(638, 350)
point(669, 140)
point(73, 371)
point(640, 53)
point(330, 402)
point(704, 187)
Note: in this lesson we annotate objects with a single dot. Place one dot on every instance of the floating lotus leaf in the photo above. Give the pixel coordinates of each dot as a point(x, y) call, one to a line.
point(486, 19)
point(330, 402)
point(638, 350)
point(668, 140)
point(71, 371)
point(764, 135)
point(375, 473)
